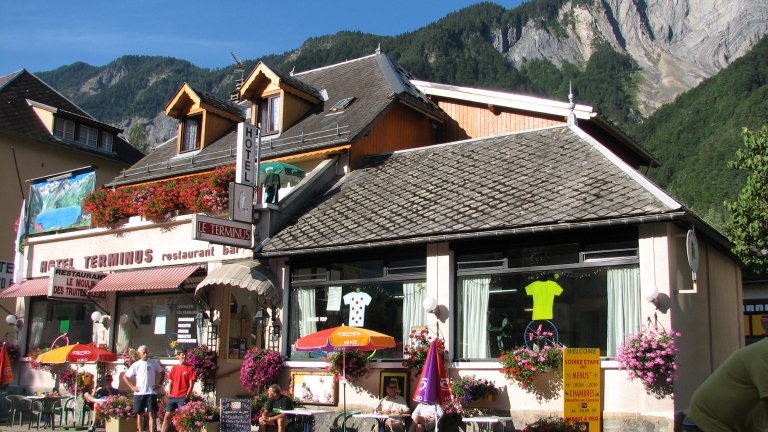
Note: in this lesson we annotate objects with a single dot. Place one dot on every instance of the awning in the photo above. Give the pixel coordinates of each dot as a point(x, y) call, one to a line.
point(28, 288)
point(245, 274)
point(166, 278)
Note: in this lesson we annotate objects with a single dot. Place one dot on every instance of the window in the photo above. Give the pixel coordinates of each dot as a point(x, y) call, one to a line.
point(392, 308)
point(106, 141)
point(88, 136)
point(755, 320)
point(591, 308)
point(190, 133)
point(64, 129)
point(269, 114)
point(51, 318)
point(156, 321)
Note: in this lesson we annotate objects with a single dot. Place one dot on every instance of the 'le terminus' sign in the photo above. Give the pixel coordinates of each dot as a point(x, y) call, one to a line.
point(222, 231)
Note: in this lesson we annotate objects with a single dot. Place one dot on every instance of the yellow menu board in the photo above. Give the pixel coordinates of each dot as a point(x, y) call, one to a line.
point(581, 384)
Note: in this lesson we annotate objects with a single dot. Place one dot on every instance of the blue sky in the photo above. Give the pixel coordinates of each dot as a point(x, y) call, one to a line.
point(42, 35)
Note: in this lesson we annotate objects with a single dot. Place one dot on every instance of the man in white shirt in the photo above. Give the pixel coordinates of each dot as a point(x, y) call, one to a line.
point(145, 390)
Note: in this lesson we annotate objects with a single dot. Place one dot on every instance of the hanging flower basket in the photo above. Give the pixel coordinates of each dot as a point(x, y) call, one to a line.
point(651, 356)
point(525, 366)
point(204, 361)
point(260, 369)
point(472, 389)
point(354, 365)
point(416, 350)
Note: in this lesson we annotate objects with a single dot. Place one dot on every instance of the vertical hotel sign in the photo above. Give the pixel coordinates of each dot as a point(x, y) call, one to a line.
point(245, 166)
point(74, 284)
point(582, 391)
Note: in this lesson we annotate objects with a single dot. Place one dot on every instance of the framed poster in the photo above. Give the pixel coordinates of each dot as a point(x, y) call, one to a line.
point(315, 387)
point(402, 383)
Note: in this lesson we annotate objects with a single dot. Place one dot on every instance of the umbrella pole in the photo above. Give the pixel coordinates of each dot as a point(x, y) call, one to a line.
point(344, 377)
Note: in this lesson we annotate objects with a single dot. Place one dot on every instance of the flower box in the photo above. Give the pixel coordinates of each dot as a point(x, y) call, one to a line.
point(121, 425)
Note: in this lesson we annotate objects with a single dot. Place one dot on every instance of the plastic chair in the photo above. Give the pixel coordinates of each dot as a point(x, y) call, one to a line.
point(338, 423)
point(85, 408)
point(46, 407)
point(19, 404)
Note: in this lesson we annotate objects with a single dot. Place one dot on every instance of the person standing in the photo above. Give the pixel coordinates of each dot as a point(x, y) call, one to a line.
point(182, 378)
point(145, 391)
point(273, 415)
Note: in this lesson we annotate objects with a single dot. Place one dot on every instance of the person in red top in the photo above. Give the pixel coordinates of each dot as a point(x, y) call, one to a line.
point(182, 378)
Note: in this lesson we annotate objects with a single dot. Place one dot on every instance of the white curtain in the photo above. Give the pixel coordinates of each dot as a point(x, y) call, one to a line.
point(37, 332)
point(302, 307)
point(414, 314)
point(473, 295)
point(623, 306)
point(123, 337)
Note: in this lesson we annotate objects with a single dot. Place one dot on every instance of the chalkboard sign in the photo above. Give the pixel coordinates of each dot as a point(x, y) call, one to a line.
point(235, 415)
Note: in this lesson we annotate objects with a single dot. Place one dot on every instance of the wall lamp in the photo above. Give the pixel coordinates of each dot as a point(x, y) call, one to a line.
point(15, 322)
point(650, 293)
point(430, 305)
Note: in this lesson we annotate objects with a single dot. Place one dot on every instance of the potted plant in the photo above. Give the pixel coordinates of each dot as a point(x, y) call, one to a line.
point(260, 369)
point(117, 413)
point(524, 366)
point(416, 350)
point(550, 424)
point(353, 365)
point(195, 416)
point(469, 388)
point(74, 380)
point(36, 365)
point(14, 352)
point(651, 356)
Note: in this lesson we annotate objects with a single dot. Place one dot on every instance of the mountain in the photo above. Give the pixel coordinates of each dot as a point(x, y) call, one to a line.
point(658, 49)
point(697, 134)
point(627, 58)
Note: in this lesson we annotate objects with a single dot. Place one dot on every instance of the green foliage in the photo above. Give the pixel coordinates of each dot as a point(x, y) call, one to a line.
point(138, 137)
point(696, 134)
point(748, 223)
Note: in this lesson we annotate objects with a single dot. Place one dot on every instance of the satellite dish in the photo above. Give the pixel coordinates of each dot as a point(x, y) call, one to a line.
point(692, 249)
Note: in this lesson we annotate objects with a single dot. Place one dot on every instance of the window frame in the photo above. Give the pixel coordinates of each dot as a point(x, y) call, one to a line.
point(266, 108)
point(107, 141)
point(184, 131)
point(87, 135)
point(58, 121)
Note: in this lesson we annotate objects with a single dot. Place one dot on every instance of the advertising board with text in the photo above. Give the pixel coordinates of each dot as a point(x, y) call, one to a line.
point(74, 284)
point(581, 388)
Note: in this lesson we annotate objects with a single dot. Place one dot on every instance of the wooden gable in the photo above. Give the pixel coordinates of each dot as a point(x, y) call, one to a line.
point(263, 82)
point(214, 120)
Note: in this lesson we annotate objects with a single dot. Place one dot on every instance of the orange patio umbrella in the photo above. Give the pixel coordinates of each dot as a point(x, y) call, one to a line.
point(344, 338)
point(77, 353)
point(6, 373)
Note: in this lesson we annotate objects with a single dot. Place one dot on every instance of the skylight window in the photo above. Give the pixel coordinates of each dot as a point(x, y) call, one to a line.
point(342, 104)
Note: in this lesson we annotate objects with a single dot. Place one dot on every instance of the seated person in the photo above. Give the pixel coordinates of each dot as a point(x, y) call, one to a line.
point(273, 415)
point(424, 417)
point(95, 399)
point(393, 403)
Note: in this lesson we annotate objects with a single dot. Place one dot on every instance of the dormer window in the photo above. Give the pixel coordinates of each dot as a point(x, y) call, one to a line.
point(88, 136)
point(269, 114)
point(190, 133)
point(64, 129)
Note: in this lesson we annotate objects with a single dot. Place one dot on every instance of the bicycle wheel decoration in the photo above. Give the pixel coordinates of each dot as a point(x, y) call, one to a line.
point(539, 334)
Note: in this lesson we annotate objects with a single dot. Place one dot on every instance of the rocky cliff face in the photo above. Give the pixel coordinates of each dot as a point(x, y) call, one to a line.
point(677, 43)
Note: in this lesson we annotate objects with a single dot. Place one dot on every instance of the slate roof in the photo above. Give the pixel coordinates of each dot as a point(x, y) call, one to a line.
point(539, 178)
point(217, 102)
point(18, 117)
point(375, 82)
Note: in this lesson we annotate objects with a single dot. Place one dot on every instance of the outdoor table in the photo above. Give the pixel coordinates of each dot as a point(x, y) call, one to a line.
point(487, 420)
point(47, 403)
point(380, 417)
point(306, 417)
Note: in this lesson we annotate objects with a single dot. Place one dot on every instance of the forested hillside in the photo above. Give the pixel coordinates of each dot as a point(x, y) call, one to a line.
point(697, 134)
